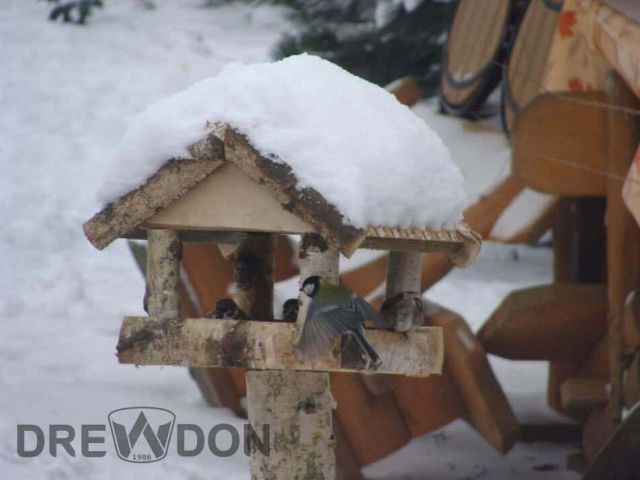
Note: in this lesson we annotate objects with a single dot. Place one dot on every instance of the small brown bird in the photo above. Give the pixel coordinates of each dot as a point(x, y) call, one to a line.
point(403, 311)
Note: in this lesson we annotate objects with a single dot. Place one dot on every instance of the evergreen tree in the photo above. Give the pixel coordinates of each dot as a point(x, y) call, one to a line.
point(380, 41)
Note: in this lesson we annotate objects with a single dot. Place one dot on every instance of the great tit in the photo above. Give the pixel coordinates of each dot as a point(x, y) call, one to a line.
point(227, 308)
point(403, 311)
point(290, 310)
point(334, 311)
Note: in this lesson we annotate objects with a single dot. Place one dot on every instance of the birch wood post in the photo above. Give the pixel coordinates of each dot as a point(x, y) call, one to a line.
point(254, 275)
point(315, 447)
point(163, 275)
point(297, 406)
point(404, 270)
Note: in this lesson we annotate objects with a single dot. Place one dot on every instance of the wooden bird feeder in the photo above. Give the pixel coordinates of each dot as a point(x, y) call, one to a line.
point(231, 195)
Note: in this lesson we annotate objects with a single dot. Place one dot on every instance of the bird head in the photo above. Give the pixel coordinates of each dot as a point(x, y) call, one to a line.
point(226, 308)
point(290, 310)
point(311, 285)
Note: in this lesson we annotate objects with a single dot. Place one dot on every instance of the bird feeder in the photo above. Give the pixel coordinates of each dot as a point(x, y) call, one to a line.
point(231, 195)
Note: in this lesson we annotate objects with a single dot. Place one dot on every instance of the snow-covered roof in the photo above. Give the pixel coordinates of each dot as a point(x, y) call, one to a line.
point(340, 152)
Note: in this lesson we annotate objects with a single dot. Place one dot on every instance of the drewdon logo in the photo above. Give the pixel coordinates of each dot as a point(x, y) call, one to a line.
point(140, 435)
point(141, 423)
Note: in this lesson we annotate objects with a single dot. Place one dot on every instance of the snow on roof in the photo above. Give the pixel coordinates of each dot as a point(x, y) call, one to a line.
point(352, 141)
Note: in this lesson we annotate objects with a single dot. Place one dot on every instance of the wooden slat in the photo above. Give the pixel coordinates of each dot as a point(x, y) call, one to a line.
point(460, 248)
point(551, 322)
point(347, 465)
point(428, 404)
point(473, 53)
point(488, 409)
point(528, 57)
point(373, 425)
point(204, 342)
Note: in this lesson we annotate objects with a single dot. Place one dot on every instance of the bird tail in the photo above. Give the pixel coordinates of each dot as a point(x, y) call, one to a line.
point(366, 347)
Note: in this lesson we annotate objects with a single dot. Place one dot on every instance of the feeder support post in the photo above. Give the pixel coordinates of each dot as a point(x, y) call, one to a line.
point(296, 406)
point(163, 274)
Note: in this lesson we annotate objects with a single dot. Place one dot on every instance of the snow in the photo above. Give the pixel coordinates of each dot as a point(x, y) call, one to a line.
point(67, 96)
point(349, 139)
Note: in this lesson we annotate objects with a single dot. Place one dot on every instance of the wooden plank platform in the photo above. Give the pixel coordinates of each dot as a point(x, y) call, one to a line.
point(267, 345)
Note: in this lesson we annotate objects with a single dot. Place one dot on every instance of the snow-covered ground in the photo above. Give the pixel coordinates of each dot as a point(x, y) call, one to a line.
point(67, 94)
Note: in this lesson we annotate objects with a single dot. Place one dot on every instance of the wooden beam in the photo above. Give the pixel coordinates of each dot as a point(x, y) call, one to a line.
point(559, 144)
point(173, 180)
point(579, 257)
point(487, 407)
point(550, 322)
point(582, 395)
point(267, 345)
point(622, 231)
point(347, 464)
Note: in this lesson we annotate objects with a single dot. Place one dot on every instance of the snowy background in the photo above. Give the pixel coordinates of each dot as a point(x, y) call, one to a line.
point(67, 94)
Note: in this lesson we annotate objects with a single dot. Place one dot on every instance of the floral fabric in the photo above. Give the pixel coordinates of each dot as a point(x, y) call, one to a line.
point(591, 38)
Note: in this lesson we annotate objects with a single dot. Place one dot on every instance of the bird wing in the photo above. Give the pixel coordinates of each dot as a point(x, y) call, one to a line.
point(366, 309)
point(322, 327)
point(354, 304)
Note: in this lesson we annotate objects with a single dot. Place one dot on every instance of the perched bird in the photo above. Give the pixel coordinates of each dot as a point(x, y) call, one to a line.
point(334, 311)
point(403, 311)
point(290, 310)
point(227, 308)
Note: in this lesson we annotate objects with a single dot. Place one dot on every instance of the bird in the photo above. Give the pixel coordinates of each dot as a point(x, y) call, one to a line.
point(290, 310)
point(403, 311)
point(228, 309)
point(334, 310)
